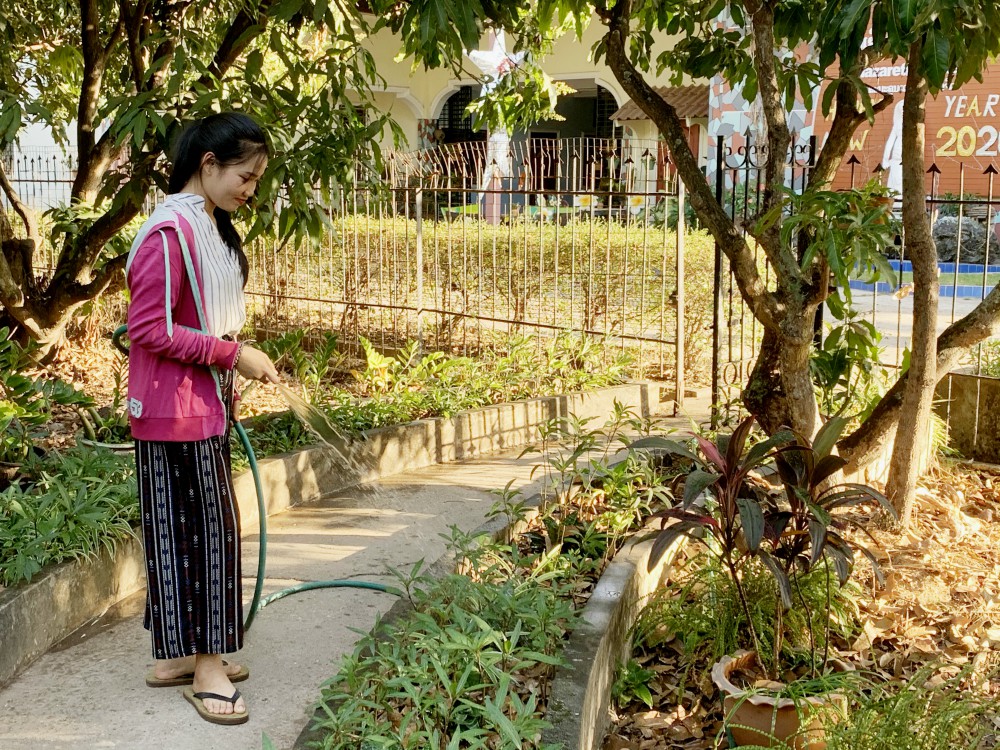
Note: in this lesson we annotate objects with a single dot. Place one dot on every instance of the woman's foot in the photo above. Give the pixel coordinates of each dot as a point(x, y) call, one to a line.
point(210, 676)
point(171, 669)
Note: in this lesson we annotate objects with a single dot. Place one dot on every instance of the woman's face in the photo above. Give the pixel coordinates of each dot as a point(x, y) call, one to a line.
point(230, 186)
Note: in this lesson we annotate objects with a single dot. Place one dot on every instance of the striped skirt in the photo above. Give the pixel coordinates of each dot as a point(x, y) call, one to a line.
point(191, 534)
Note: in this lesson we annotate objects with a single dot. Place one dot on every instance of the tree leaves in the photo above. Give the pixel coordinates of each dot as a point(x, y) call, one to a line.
point(936, 56)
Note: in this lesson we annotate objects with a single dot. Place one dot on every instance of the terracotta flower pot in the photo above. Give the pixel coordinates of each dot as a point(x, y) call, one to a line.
point(756, 718)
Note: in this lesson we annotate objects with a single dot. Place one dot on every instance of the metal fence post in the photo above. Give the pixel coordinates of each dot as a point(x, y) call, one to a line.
point(720, 160)
point(679, 376)
point(419, 263)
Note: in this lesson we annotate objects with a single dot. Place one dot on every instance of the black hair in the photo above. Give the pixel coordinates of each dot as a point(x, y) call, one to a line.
point(232, 137)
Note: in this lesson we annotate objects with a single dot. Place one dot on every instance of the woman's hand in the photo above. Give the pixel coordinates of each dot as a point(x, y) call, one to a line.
point(253, 364)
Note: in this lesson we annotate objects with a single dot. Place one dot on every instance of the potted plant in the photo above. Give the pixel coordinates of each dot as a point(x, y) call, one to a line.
point(108, 427)
point(772, 504)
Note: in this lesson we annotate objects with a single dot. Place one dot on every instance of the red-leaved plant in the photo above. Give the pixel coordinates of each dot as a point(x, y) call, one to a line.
point(789, 527)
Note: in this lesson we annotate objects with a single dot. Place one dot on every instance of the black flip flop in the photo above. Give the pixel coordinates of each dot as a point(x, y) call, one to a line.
point(198, 701)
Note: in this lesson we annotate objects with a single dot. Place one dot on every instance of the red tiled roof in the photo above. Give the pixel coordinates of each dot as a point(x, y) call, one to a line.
point(689, 101)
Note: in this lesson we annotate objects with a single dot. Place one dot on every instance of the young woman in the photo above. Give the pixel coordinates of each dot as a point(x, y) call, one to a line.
point(186, 272)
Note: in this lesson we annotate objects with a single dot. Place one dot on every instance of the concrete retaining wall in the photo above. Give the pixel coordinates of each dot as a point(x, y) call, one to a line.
point(970, 405)
point(580, 700)
point(307, 474)
point(35, 616)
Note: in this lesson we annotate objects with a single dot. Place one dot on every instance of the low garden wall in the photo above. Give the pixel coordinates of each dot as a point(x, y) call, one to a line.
point(35, 616)
point(578, 707)
point(970, 406)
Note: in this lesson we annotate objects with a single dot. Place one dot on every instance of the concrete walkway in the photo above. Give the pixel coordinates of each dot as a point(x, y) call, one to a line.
point(89, 691)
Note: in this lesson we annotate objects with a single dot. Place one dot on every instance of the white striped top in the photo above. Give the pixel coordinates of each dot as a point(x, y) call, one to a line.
point(221, 278)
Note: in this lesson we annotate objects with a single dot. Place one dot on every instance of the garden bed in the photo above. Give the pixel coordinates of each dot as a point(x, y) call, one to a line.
point(299, 477)
point(934, 626)
point(468, 659)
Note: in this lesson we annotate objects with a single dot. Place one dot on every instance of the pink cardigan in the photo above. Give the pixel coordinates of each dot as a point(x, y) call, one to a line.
point(172, 394)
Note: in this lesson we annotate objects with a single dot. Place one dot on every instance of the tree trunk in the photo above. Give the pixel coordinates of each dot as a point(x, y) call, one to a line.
point(779, 392)
point(912, 433)
point(764, 396)
point(45, 330)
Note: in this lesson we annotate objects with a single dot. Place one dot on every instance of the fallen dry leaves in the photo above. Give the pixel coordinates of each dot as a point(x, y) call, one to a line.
point(940, 605)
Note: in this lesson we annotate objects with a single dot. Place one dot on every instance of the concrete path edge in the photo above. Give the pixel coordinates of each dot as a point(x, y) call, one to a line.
point(35, 616)
point(578, 708)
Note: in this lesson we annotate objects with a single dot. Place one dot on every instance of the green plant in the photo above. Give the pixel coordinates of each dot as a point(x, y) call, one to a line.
point(25, 400)
point(110, 424)
point(924, 713)
point(665, 212)
point(848, 229)
point(700, 613)
point(632, 684)
point(847, 369)
point(83, 502)
point(412, 385)
point(310, 366)
point(447, 676)
point(986, 358)
point(788, 530)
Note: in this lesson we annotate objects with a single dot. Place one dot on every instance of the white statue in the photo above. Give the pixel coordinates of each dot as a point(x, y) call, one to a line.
point(892, 155)
point(495, 63)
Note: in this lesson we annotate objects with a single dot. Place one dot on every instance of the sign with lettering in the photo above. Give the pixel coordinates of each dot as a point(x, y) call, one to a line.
point(961, 132)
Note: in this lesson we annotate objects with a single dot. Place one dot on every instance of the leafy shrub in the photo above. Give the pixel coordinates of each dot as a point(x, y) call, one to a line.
point(310, 361)
point(414, 385)
point(25, 400)
point(446, 675)
point(83, 502)
point(986, 358)
point(110, 424)
point(702, 613)
point(924, 713)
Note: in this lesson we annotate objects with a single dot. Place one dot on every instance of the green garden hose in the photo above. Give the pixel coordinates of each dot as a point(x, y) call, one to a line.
point(258, 602)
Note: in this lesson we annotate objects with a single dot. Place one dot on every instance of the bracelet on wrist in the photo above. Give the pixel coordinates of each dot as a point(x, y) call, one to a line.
point(239, 353)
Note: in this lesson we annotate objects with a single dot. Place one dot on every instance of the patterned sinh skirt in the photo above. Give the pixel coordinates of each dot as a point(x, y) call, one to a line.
point(191, 534)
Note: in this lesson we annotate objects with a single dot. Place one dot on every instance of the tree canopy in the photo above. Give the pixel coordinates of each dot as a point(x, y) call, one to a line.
point(755, 45)
point(121, 76)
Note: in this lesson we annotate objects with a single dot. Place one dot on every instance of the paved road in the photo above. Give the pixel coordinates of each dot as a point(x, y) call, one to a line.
point(894, 318)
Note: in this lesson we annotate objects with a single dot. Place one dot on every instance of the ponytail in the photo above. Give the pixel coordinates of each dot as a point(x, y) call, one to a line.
point(233, 240)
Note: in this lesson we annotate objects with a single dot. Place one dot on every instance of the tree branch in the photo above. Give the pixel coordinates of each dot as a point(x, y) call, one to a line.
point(865, 443)
point(778, 140)
point(133, 31)
point(25, 214)
point(846, 119)
point(237, 39)
point(92, 160)
point(110, 277)
point(763, 305)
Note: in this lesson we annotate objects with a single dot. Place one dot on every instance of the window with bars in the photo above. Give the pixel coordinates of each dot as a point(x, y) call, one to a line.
point(456, 124)
point(604, 108)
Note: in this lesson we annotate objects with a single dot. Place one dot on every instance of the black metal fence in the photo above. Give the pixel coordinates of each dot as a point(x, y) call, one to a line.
point(965, 233)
